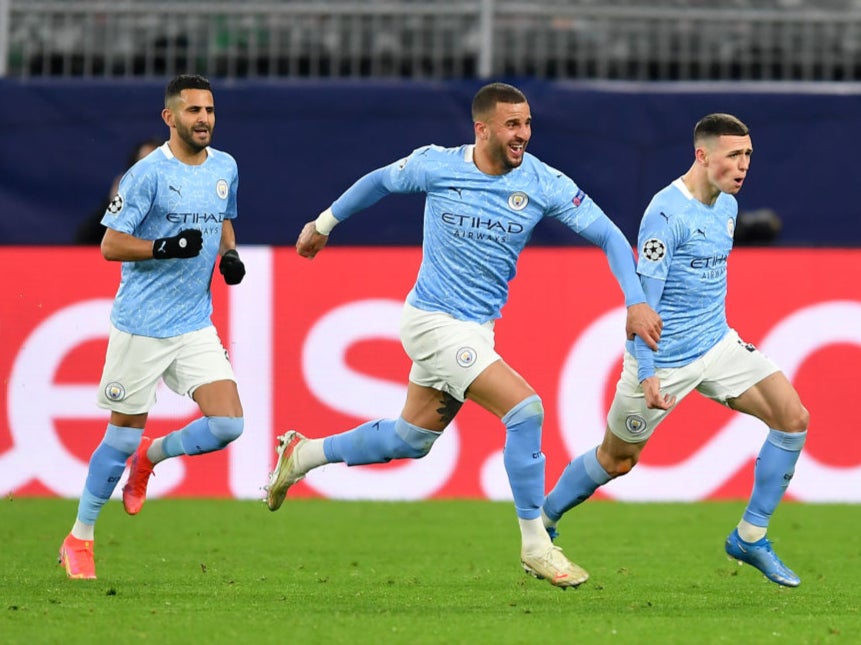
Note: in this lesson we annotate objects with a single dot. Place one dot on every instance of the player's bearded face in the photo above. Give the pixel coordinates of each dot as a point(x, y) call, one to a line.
point(510, 131)
point(195, 118)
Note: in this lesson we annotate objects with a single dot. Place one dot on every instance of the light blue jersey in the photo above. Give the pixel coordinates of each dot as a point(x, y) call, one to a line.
point(476, 225)
point(158, 197)
point(686, 244)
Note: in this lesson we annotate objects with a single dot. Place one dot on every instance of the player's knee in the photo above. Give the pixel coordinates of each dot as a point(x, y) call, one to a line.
point(414, 442)
point(125, 440)
point(226, 429)
point(800, 420)
point(792, 419)
point(616, 455)
point(616, 465)
point(622, 466)
point(529, 413)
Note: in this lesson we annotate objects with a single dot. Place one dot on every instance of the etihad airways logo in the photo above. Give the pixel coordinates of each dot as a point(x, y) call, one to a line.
point(709, 263)
point(195, 218)
point(482, 223)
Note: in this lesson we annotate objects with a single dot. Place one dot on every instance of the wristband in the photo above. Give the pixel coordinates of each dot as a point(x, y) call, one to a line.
point(325, 222)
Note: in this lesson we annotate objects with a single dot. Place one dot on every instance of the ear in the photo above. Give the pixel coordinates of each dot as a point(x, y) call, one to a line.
point(167, 117)
point(480, 130)
point(701, 155)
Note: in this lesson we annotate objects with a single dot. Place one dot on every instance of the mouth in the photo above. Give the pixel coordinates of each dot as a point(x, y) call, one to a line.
point(517, 149)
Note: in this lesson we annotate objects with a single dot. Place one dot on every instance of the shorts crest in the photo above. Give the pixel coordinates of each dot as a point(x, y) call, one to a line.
point(466, 356)
point(635, 424)
point(115, 391)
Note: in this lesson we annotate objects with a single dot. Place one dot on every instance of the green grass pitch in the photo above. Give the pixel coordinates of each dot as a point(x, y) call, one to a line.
point(320, 571)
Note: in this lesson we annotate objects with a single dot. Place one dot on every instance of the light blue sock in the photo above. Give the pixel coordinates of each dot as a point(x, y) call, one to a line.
point(775, 467)
point(378, 442)
point(522, 456)
point(105, 470)
point(578, 481)
point(206, 434)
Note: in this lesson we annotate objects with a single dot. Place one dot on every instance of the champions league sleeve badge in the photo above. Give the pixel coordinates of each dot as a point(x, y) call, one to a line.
point(116, 204)
point(654, 250)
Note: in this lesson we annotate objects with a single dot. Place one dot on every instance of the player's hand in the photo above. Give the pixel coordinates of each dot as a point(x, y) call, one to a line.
point(310, 242)
point(643, 321)
point(185, 244)
point(231, 267)
point(655, 399)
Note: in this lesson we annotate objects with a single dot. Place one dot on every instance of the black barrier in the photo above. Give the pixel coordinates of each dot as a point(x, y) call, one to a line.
point(300, 143)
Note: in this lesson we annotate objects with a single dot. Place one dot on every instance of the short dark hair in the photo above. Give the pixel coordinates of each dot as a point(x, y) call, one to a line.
point(488, 96)
point(719, 124)
point(185, 82)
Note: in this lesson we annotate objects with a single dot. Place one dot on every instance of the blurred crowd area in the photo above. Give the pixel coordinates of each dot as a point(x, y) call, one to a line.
point(668, 40)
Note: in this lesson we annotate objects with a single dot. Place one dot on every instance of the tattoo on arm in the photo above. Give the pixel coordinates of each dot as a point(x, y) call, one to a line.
point(450, 406)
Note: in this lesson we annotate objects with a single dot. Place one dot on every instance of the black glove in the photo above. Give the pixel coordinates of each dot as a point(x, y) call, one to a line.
point(231, 267)
point(185, 244)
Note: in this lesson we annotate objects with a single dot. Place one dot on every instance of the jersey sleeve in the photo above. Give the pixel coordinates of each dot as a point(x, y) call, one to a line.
point(653, 289)
point(569, 203)
point(407, 175)
point(133, 201)
point(232, 210)
point(604, 233)
point(656, 242)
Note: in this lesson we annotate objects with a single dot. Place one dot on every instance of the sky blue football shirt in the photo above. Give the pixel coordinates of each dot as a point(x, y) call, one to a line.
point(158, 197)
point(475, 225)
point(687, 244)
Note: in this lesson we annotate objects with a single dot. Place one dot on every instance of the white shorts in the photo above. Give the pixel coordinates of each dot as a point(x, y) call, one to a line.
point(726, 371)
point(448, 354)
point(134, 364)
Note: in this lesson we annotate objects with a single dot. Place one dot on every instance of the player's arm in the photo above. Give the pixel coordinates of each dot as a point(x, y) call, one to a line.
point(407, 175)
point(651, 384)
point(124, 247)
point(366, 191)
point(642, 320)
point(119, 246)
point(230, 266)
point(228, 237)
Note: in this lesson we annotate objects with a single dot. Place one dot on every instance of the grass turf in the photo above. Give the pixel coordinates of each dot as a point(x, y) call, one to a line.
point(319, 571)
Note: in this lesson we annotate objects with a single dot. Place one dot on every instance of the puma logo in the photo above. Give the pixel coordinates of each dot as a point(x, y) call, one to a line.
point(178, 191)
